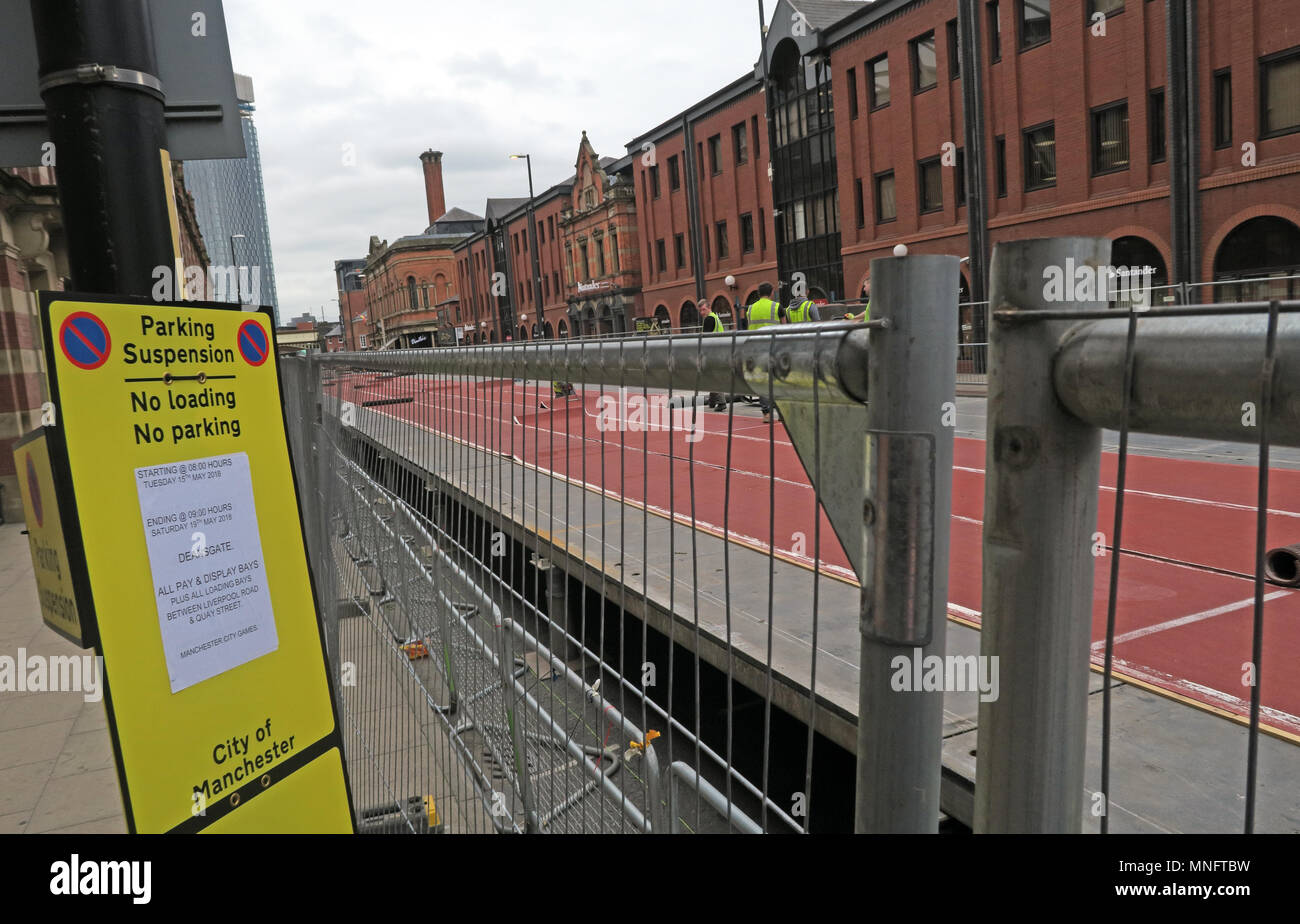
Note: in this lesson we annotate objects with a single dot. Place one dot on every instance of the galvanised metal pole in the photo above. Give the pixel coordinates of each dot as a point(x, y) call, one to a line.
point(1197, 373)
point(911, 377)
point(1040, 511)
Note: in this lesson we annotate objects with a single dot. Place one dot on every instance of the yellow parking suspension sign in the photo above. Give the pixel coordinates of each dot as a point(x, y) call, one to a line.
point(58, 566)
point(170, 436)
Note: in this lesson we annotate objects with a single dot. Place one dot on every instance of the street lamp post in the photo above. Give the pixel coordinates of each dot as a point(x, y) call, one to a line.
point(238, 297)
point(532, 234)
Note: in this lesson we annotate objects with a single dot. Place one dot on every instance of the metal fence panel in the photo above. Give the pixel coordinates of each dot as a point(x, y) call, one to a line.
point(560, 568)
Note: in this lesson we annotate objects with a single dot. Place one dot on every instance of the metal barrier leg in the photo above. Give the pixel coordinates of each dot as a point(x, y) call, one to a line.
point(911, 418)
point(1040, 510)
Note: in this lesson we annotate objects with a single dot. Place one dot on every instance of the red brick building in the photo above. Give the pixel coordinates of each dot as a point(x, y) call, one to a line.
point(704, 206)
point(849, 137)
point(867, 146)
point(598, 232)
point(1088, 155)
point(588, 262)
point(410, 295)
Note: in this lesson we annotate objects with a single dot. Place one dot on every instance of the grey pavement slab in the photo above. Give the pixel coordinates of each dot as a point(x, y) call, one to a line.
point(56, 757)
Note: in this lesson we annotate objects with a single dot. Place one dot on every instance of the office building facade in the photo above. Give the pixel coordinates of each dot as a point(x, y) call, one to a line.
point(230, 201)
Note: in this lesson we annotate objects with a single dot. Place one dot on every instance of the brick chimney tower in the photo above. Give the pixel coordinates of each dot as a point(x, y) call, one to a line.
point(432, 161)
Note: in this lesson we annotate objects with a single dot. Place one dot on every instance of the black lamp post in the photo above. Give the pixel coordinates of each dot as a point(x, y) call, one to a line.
point(532, 236)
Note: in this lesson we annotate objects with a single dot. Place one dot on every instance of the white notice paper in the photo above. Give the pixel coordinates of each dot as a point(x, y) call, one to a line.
point(205, 551)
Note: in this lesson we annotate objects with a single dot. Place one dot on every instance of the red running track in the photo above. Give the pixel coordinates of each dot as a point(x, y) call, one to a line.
point(1185, 611)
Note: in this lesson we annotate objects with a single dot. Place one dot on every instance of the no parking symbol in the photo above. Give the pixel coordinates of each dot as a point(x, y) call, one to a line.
point(84, 340)
point(253, 343)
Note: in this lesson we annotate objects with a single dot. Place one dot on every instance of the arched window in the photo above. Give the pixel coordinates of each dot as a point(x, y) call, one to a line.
point(548, 331)
point(1266, 249)
point(564, 330)
point(689, 316)
point(523, 332)
point(412, 292)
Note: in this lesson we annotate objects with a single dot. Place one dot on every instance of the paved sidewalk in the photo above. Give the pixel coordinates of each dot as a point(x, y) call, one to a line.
point(56, 760)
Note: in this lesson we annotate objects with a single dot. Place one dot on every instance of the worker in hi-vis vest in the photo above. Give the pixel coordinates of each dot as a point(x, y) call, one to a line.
point(805, 311)
point(765, 313)
point(710, 323)
point(866, 307)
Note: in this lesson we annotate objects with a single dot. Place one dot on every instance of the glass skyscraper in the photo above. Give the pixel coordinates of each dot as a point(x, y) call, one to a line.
point(229, 200)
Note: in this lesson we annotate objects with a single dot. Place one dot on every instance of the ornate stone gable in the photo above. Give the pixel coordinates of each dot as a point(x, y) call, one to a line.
point(591, 182)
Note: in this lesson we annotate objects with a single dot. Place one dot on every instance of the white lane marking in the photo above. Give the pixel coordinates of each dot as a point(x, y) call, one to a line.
point(1187, 620)
point(1227, 505)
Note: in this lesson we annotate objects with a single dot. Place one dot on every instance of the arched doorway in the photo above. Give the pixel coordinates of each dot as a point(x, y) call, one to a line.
point(689, 316)
point(493, 338)
point(1265, 249)
point(663, 319)
point(722, 308)
point(589, 322)
point(523, 332)
point(564, 330)
point(537, 331)
point(606, 320)
point(548, 331)
point(1141, 268)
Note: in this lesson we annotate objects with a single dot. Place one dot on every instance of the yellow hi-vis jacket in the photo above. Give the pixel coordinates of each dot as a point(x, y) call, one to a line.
point(763, 313)
point(801, 313)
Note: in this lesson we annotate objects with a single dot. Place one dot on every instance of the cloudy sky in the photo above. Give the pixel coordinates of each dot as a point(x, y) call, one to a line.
point(477, 81)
